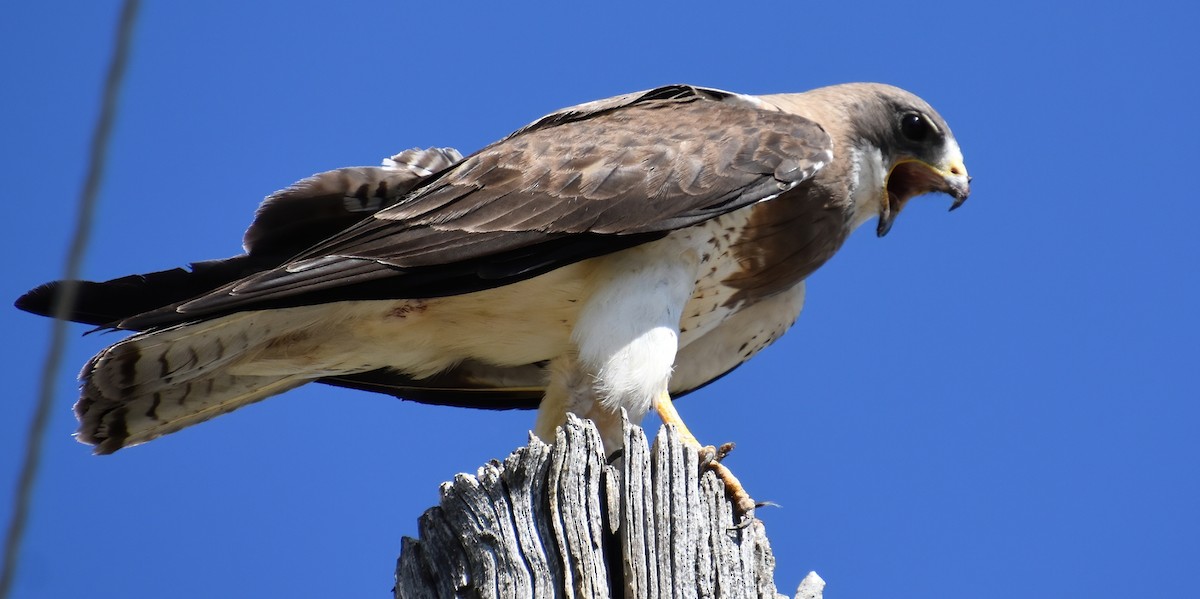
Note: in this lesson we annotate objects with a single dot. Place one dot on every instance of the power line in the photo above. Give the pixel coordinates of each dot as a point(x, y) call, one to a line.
point(97, 156)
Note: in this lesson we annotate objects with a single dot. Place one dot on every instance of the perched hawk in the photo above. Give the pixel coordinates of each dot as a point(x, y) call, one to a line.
point(606, 256)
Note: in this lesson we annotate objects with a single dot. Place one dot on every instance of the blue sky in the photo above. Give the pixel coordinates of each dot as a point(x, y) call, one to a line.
point(992, 402)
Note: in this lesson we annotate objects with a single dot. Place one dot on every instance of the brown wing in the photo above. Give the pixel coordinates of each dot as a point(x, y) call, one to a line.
point(576, 184)
point(287, 223)
point(311, 210)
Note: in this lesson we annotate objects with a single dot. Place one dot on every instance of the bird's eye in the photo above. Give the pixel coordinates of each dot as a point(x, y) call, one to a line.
point(915, 127)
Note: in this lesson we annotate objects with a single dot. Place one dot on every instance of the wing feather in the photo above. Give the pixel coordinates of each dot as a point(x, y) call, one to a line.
point(313, 209)
point(576, 184)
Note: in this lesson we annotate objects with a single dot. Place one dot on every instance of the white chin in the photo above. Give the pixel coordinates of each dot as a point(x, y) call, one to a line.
point(867, 176)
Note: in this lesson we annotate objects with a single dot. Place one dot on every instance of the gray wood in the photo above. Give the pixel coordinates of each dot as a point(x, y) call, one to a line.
point(560, 521)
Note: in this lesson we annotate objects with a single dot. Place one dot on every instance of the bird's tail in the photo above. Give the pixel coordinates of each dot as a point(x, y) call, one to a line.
point(158, 382)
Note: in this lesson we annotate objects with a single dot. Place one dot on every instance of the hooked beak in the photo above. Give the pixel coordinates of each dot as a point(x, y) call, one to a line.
point(911, 178)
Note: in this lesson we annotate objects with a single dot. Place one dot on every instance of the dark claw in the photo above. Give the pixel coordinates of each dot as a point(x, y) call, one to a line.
point(747, 519)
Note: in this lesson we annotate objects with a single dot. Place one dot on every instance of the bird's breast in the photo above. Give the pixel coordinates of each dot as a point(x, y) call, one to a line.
point(755, 253)
point(784, 240)
point(714, 242)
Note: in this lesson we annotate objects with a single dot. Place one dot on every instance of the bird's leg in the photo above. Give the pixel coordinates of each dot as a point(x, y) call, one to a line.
point(710, 457)
point(669, 415)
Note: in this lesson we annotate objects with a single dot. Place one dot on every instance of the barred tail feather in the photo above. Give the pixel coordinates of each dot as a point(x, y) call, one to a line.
point(158, 382)
point(111, 424)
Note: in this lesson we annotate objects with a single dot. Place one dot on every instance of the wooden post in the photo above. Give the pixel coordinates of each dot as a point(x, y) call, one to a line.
point(558, 521)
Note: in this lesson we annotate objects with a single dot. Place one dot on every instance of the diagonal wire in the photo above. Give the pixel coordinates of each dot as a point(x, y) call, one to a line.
point(68, 292)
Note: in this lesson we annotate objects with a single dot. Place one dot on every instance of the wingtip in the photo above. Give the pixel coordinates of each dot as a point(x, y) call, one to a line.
point(39, 300)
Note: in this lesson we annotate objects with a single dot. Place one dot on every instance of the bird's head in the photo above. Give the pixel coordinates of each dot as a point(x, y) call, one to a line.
point(924, 158)
point(896, 147)
point(918, 152)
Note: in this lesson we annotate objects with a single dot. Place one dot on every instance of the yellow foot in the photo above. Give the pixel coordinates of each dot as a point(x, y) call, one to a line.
point(743, 505)
point(710, 457)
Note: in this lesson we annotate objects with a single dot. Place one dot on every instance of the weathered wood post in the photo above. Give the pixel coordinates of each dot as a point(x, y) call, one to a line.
point(558, 521)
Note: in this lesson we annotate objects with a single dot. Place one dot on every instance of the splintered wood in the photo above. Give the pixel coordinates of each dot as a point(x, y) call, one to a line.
point(559, 521)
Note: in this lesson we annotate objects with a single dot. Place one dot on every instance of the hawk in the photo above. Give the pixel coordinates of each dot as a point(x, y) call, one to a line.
point(607, 256)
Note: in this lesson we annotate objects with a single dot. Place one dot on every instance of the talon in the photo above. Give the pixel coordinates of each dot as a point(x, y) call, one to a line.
point(710, 457)
point(743, 505)
point(744, 523)
point(615, 456)
point(724, 450)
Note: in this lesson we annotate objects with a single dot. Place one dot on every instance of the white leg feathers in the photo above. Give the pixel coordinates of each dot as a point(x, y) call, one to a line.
point(626, 336)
